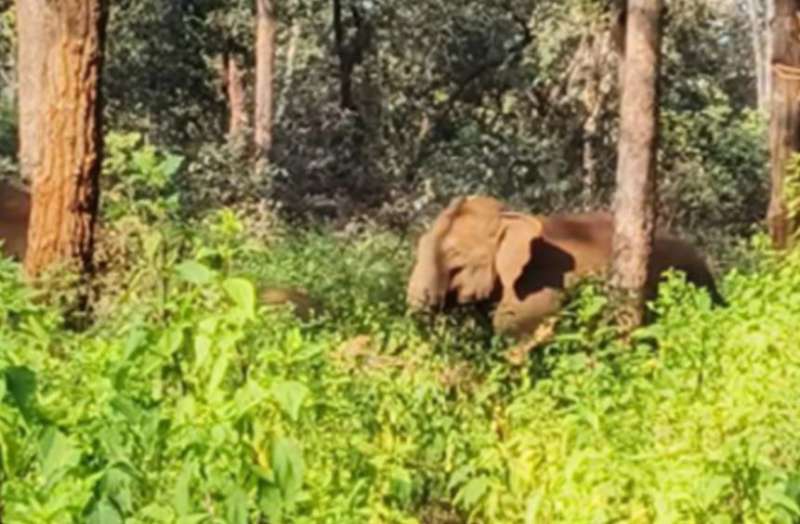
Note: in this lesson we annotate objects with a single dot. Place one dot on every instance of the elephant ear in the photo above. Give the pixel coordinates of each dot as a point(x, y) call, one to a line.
point(516, 244)
point(470, 246)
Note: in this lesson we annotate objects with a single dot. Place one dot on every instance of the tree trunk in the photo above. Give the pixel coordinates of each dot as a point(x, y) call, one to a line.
point(634, 209)
point(34, 38)
point(266, 27)
point(758, 13)
point(234, 92)
point(784, 128)
point(65, 185)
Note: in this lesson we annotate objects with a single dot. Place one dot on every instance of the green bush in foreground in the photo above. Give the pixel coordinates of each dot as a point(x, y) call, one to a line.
point(191, 403)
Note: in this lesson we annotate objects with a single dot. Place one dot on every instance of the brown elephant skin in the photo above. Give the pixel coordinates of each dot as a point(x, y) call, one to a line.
point(479, 251)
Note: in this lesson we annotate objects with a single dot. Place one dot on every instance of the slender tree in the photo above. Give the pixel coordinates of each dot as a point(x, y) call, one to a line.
point(34, 38)
point(65, 183)
point(784, 128)
point(266, 29)
point(634, 210)
point(233, 81)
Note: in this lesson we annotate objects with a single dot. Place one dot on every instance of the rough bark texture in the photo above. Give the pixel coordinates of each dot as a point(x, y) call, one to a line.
point(234, 89)
point(34, 38)
point(634, 209)
point(784, 129)
point(65, 189)
point(266, 26)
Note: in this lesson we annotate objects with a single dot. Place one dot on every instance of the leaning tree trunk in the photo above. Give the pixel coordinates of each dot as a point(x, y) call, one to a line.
point(634, 209)
point(266, 27)
point(65, 186)
point(34, 34)
point(784, 128)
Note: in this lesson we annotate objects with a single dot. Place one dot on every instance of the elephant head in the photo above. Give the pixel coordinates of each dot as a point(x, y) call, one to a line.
point(474, 248)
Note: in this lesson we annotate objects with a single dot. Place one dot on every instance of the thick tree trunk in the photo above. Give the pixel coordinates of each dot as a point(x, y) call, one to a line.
point(234, 92)
point(65, 192)
point(634, 209)
point(266, 28)
point(34, 38)
point(784, 129)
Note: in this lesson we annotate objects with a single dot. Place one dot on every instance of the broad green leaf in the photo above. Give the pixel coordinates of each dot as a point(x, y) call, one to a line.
point(271, 503)
point(57, 453)
point(242, 293)
point(288, 466)
point(20, 382)
point(217, 374)
point(181, 500)
point(170, 341)
point(104, 512)
point(202, 349)
point(289, 395)
point(194, 272)
point(237, 507)
point(171, 164)
point(473, 491)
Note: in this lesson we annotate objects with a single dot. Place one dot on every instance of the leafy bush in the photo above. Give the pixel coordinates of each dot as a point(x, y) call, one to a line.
point(189, 402)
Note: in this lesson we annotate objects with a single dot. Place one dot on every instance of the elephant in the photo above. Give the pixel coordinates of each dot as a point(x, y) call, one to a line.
point(15, 207)
point(479, 251)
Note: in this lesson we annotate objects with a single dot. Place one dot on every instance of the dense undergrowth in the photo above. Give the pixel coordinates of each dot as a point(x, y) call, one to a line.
point(187, 401)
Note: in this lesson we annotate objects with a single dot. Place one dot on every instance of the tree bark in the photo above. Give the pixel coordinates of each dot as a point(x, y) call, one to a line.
point(65, 185)
point(234, 91)
point(34, 39)
point(784, 128)
point(634, 209)
point(266, 28)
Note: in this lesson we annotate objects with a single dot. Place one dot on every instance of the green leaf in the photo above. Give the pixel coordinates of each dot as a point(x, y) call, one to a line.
point(181, 500)
point(202, 350)
point(473, 491)
point(289, 395)
point(21, 386)
point(104, 512)
point(217, 374)
point(271, 503)
point(237, 507)
point(171, 164)
point(288, 466)
point(243, 294)
point(57, 454)
point(194, 272)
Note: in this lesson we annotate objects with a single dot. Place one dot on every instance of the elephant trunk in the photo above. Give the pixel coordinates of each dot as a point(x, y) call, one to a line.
point(427, 286)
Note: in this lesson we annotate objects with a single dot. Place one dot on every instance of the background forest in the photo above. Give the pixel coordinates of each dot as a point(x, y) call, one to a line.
point(515, 98)
point(184, 399)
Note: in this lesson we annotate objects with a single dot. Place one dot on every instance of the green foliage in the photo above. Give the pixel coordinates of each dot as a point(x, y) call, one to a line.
point(138, 179)
point(189, 402)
